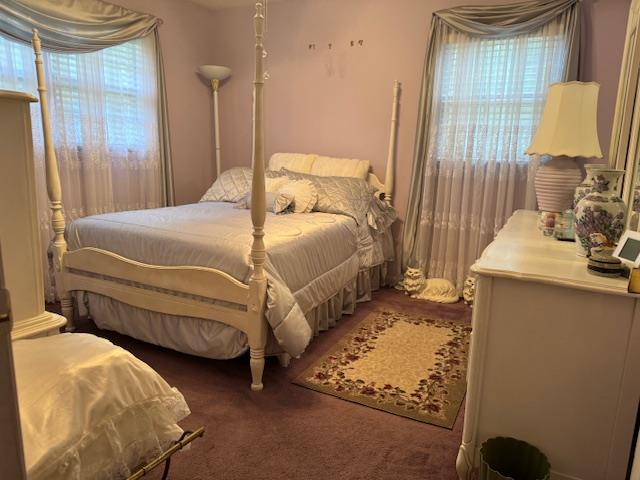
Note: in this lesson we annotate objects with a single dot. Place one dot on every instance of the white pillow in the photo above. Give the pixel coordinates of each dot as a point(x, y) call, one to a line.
point(294, 162)
point(89, 409)
point(276, 202)
point(231, 186)
point(340, 167)
point(274, 184)
point(304, 193)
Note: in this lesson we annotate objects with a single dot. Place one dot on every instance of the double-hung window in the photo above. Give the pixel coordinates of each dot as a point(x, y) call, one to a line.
point(107, 97)
point(490, 93)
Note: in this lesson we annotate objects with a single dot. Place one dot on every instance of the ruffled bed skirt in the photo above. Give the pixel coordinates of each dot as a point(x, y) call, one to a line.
point(216, 340)
point(327, 314)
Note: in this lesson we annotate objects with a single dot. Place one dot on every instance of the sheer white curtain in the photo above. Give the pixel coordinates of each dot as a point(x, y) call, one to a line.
point(104, 117)
point(488, 95)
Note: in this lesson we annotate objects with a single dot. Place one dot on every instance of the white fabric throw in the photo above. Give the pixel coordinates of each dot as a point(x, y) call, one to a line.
point(90, 409)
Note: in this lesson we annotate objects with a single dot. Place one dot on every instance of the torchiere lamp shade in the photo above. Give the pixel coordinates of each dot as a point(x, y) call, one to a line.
point(214, 72)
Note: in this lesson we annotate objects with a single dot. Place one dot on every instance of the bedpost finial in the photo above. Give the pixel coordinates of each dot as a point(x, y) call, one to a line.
point(259, 9)
point(259, 19)
point(36, 41)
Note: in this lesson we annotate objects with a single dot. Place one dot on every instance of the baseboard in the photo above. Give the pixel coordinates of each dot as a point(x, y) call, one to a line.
point(562, 476)
point(42, 325)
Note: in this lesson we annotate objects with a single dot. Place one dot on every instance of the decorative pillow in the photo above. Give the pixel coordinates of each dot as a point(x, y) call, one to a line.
point(304, 193)
point(274, 184)
point(380, 216)
point(339, 167)
point(231, 186)
point(294, 162)
point(276, 202)
point(341, 195)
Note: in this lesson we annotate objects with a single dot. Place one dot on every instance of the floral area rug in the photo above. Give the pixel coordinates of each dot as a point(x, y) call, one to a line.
point(409, 365)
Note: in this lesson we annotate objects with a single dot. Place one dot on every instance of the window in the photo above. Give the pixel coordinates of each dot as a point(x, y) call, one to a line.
point(113, 88)
point(490, 93)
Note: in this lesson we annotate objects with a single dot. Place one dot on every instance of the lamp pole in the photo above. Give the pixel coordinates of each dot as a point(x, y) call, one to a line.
point(215, 85)
point(215, 74)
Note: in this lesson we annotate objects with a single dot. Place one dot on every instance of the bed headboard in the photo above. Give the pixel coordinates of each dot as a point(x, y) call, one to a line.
point(315, 164)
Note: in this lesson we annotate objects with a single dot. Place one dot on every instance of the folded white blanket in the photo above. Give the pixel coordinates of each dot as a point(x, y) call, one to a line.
point(89, 409)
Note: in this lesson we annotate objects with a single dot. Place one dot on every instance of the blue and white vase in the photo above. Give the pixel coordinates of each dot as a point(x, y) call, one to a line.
point(601, 211)
point(587, 184)
point(634, 210)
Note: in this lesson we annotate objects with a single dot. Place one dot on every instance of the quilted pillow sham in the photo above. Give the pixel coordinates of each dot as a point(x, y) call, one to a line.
point(231, 186)
point(342, 195)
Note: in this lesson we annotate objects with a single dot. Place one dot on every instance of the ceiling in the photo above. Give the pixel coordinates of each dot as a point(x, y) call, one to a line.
point(219, 4)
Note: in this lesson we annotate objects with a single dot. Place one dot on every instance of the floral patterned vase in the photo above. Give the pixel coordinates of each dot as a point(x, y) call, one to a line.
point(600, 212)
point(585, 187)
point(634, 211)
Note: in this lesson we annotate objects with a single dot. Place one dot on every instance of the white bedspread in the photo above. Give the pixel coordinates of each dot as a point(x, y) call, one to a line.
point(89, 409)
point(309, 256)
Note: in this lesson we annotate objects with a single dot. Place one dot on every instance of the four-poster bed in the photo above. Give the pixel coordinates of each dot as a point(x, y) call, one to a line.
point(195, 291)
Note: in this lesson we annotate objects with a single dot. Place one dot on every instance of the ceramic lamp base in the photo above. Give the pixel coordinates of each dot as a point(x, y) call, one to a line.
point(556, 181)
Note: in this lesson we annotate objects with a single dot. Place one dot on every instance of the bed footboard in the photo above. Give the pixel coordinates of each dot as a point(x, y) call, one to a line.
point(189, 291)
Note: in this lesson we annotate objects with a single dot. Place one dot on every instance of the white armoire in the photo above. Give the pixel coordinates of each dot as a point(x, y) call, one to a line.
point(19, 231)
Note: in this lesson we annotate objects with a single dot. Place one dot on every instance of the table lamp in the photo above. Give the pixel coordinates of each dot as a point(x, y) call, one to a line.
point(568, 129)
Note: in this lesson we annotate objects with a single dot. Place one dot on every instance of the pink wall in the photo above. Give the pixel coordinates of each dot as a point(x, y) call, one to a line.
point(338, 101)
point(186, 44)
point(603, 43)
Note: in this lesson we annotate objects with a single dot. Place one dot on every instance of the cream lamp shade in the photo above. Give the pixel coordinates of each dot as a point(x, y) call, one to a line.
point(569, 122)
point(214, 72)
point(567, 129)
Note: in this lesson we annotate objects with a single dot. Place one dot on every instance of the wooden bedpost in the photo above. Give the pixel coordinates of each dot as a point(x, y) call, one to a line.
point(257, 334)
point(390, 171)
point(54, 190)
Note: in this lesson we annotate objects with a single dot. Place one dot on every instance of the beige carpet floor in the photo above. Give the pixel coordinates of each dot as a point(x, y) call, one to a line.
point(289, 432)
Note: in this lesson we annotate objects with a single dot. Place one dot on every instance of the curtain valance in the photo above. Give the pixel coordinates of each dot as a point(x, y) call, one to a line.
point(74, 25)
point(82, 26)
point(504, 20)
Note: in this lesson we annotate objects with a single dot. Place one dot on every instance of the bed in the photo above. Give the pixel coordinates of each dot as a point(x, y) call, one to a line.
point(210, 279)
point(302, 273)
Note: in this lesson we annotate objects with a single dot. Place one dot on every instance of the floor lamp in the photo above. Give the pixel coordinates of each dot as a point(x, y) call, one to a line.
point(215, 74)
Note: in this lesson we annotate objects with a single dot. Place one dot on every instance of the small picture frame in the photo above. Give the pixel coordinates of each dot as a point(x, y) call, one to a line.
point(628, 249)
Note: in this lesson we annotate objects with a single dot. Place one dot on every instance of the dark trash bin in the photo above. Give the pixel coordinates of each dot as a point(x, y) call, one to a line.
point(504, 458)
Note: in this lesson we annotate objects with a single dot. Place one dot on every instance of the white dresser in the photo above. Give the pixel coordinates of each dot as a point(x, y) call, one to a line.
point(19, 231)
point(555, 357)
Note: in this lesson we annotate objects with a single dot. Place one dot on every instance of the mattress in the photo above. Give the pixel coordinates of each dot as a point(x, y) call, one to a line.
point(310, 257)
